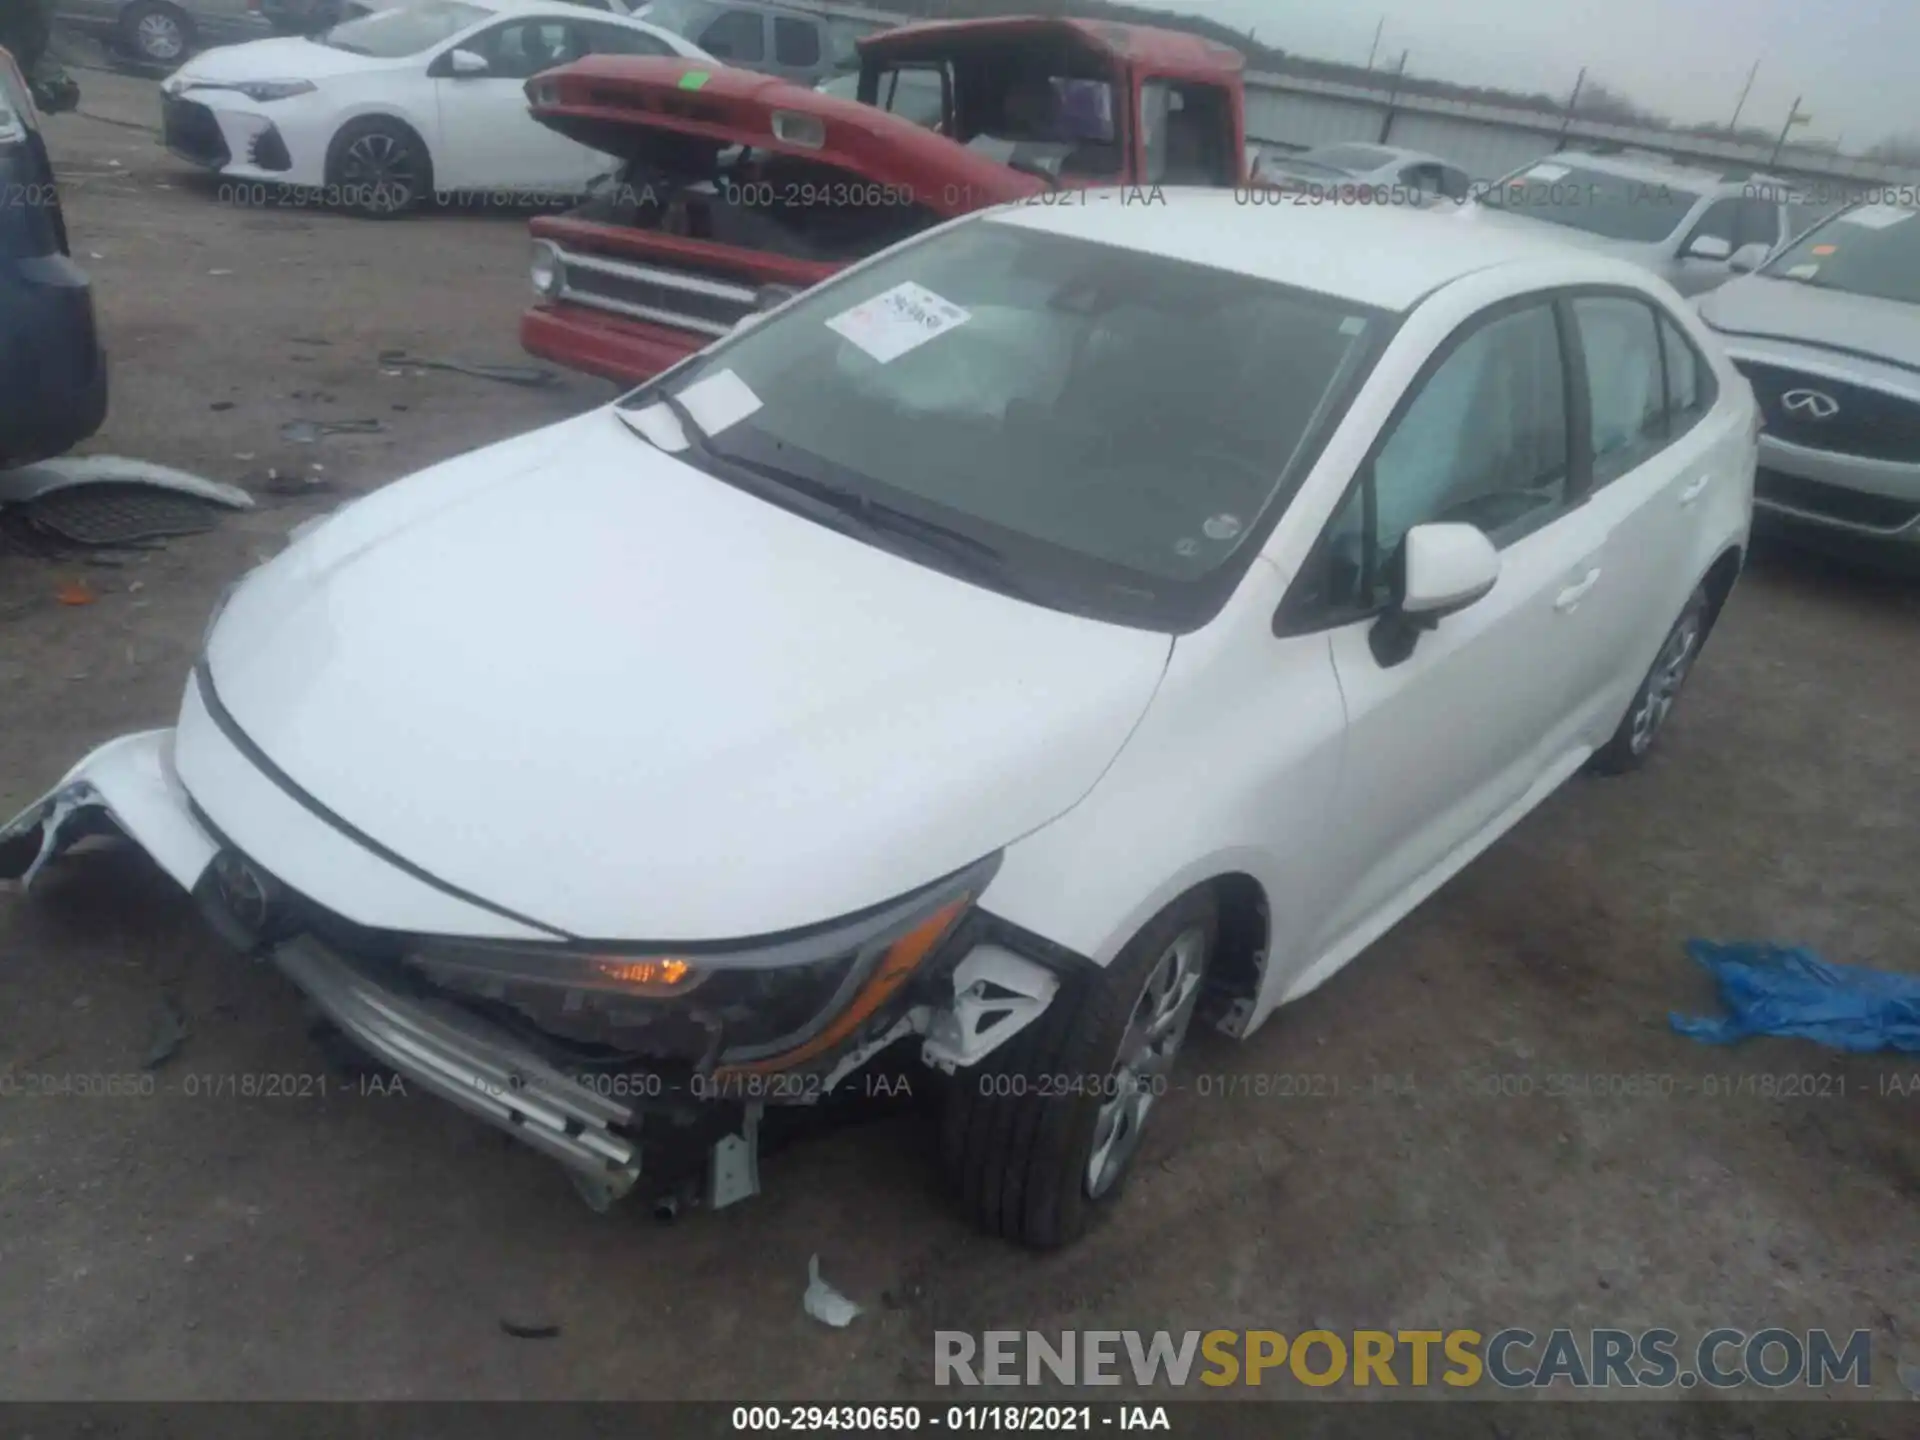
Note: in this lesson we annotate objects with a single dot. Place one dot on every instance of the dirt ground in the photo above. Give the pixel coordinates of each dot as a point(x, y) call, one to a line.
point(369, 1246)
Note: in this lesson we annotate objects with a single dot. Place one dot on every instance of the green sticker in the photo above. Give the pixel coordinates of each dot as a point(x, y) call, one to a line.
point(694, 79)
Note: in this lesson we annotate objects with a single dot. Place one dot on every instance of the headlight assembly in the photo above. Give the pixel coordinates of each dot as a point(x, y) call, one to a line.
point(265, 90)
point(545, 271)
point(766, 1004)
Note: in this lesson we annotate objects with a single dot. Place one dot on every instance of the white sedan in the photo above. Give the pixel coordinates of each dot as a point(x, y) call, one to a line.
point(385, 111)
point(1067, 622)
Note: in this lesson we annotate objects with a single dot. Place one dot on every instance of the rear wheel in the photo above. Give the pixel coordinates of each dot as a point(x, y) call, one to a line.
point(379, 168)
point(156, 33)
point(1040, 1137)
point(1653, 703)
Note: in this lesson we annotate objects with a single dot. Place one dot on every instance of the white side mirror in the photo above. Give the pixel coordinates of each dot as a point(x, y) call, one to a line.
point(1709, 247)
point(465, 62)
point(1748, 258)
point(1444, 568)
point(1448, 568)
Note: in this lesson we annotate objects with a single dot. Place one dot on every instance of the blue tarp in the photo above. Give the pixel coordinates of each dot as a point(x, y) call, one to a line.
point(1773, 990)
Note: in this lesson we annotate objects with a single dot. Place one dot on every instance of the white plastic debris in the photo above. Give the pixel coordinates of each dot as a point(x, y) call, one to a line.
point(29, 482)
point(823, 1302)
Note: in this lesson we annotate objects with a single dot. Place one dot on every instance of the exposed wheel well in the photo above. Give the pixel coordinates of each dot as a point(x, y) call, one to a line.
point(1720, 581)
point(1240, 957)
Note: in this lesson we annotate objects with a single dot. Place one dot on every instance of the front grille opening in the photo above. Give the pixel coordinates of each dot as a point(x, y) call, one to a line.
point(1872, 424)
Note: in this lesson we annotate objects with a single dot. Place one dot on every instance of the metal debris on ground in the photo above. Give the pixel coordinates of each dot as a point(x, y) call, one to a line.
point(307, 432)
point(823, 1302)
point(521, 1331)
point(1777, 990)
point(393, 360)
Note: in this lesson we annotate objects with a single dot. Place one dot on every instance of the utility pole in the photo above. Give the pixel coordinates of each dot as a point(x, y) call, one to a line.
point(1794, 117)
point(1573, 102)
point(1374, 49)
point(1386, 124)
point(1741, 103)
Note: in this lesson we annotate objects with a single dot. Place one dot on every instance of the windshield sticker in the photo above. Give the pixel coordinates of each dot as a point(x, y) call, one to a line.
point(1221, 527)
point(1352, 325)
point(1825, 249)
point(1802, 272)
point(1548, 173)
point(897, 320)
point(1877, 217)
point(718, 401)
point(1186, 548)
point(694, 79)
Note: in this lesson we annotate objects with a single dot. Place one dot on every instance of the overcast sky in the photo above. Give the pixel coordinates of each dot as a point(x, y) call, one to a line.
point(1854, 60)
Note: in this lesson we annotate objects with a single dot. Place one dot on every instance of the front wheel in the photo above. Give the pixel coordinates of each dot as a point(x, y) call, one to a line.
point(379, 168)
point(1040, 1137)
point(1653, 702)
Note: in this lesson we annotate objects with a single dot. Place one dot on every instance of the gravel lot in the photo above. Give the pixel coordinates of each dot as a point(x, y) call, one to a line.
point(183, 1246)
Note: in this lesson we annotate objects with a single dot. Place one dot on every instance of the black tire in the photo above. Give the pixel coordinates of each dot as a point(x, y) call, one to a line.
point(379, 168)
point(1653, 703)
point(155, 33)
point(1021, 1161)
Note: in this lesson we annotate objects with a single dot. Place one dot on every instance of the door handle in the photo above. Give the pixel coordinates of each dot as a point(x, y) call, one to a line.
point(1695, 490)
point(1574, 594)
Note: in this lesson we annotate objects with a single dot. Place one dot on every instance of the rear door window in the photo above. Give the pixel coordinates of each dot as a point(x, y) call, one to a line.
point(736, 35)
point(1620, 340)
point(795, 42)
point(1690, 385)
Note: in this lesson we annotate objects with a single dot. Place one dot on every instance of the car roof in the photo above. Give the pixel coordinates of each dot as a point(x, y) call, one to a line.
point(1655, 168)
point(1385, 256)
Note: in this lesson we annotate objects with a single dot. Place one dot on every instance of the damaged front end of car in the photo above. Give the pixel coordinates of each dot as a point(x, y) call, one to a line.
point(639, 1068)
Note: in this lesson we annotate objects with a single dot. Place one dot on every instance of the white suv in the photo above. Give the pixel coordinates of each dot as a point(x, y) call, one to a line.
point(1074, 619)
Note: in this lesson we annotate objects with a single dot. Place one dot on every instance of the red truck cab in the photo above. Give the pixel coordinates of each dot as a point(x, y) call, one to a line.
point(735, 189)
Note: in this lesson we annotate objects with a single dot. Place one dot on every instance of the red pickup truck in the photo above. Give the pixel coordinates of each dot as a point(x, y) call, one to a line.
point(736, 189)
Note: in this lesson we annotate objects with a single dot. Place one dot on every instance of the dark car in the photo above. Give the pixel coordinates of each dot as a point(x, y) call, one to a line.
point(53, 374)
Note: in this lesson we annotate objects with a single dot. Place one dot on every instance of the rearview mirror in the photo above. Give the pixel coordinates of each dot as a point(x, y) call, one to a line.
point(1440, 569)
point(465, 62)
point(1748, 258)
point(1709, 247)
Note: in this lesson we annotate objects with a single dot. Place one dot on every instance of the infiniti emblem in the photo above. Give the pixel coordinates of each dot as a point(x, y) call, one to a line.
point(1814, 404)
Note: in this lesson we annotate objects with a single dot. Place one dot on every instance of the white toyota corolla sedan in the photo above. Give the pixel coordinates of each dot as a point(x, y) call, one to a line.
point(381, 112)
point(1076, 619)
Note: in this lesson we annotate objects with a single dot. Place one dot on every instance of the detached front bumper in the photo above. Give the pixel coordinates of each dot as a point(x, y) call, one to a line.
point(130, 786)
point(700, 1130)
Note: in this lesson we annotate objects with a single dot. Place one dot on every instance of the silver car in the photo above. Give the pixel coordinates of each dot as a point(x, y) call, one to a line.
point(1387, 170)
point(1695, 228)
point(166, 32)
point(1828, 334)
point(794, 39)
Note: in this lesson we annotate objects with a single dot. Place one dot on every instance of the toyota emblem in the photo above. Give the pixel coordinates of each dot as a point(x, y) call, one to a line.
point(248, 893)
point(1813, 404)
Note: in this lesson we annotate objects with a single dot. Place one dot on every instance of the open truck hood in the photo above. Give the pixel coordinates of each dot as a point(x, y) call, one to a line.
point(675, 115)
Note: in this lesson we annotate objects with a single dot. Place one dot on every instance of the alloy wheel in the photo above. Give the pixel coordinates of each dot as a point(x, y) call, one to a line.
point(379, 172)
point(160, 37)
point(1155, 1030)
point(1663, 685)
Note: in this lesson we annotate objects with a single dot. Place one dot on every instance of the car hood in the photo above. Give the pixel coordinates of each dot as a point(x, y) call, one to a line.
point(285, 57)
point(590, 684)
point(1763, 308)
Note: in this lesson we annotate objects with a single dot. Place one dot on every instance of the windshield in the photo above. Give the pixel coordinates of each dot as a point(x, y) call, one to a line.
point(392, 34)
point(1870, 250)
point(1616, 207)
point(1112, 429)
